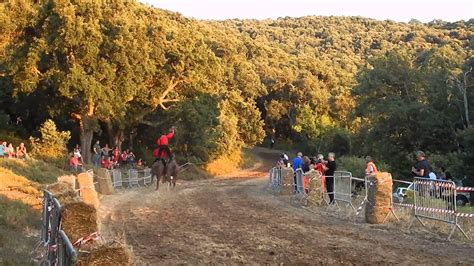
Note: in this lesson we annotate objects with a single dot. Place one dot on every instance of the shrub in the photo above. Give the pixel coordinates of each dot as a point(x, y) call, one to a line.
point(357, 165)
point(51, 147)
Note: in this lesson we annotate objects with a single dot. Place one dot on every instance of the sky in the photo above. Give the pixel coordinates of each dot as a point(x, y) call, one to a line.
point(401, 10)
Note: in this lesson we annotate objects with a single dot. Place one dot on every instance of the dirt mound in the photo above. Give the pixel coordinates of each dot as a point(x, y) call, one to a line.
point(78, 220)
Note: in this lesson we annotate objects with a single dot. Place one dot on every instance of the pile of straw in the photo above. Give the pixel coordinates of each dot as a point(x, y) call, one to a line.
point(105, 182)
point(287, 181)
point(64, 192)
point(78, 220)
point(315, 188)
point(379, 198)
point(111, 254)
point(87, 189)
point(70, 179)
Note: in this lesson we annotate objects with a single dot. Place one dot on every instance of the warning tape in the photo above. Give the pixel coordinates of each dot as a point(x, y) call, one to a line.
point(458, 214)
point(465, 189)
point(92, 237)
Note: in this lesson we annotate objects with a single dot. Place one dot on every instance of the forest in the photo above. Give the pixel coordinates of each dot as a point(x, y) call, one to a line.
point(124, 72)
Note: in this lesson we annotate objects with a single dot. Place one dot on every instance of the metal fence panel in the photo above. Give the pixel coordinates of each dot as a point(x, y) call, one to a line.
point(66, 253)
point(147, 176)
point(117, 178)
point(299, 185)
point(133, 178)
point(47, 207)
point(54, 224)
point(436, 200)
point(342, 186)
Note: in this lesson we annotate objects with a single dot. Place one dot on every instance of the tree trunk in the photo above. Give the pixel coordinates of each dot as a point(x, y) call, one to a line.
point(87, 132)
point(116, 135)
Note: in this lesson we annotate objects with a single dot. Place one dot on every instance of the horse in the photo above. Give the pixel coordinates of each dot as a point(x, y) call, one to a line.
point(159, 170)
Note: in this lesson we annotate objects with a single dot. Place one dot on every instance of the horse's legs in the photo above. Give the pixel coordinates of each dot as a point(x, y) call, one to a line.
point(158, 182)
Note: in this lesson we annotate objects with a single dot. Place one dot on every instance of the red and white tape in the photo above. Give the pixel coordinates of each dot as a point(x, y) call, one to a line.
point(458, 214)
point(465, 189)
point(92, 237)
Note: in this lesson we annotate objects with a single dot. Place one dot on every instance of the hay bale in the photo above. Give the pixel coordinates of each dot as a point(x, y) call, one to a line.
point(78, 219)
point(287, 181)
point(64, 192)
point(85, 180)
point(379, 197)
point(105, 182)
point(70, 179)
point(90, 196)
point(112, 254)
point(315, 188)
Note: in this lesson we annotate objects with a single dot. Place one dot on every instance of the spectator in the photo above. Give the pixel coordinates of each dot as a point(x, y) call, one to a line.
point(3, 148)
point(74, 163)
point(421, 168)
point(305, 164)
point(115, 156)
point(296, 165)
point(105, 163)
point(272, 142)
point(445, 175)
point(21, 151)
point(131, 159)
point(140, 164)
point(106, 151)
point(97, 150)
point(124, 156)
point(320, 165)
point(10, 151)
point(77, 153)
point(371, 168)
point(331, 168)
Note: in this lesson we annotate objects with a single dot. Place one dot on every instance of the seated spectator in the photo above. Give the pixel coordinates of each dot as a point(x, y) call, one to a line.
point(21, 151)
point(74, 163)
point(140, 164)
point(3, 147)
point(10, 151)
point(105, 162)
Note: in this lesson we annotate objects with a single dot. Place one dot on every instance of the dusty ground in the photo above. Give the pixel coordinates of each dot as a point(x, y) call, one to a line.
point(237, 220)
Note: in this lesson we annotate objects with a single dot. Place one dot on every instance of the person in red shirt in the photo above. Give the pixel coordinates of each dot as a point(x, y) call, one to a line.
point(105, 162)
point(320, 166)
point(74, 163)
point(163, 151)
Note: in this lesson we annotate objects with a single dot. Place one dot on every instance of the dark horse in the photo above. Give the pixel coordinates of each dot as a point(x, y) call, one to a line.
point(159, 170)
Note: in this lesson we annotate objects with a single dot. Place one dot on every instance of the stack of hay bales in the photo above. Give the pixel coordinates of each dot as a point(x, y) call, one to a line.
point(287, 181)
point(64, 192)
point(111, 254)
point(315, 187)
point(379, 198)
point(70, 179)
point(105, 182)
point(78, 220)
point(87, 189)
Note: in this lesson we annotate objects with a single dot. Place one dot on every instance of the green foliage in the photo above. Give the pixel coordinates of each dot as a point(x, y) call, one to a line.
point(51, 146)
point(357, 165)
point(16, 215)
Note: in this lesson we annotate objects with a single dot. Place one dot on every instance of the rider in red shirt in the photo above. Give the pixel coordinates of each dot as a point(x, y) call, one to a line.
point(163, 151)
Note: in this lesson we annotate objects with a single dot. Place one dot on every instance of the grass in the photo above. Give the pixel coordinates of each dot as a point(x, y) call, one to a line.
point(18, 222)
point(248, 159)
point(466, 209)
point(226, 164)
point(194, 172)
point(33, 170)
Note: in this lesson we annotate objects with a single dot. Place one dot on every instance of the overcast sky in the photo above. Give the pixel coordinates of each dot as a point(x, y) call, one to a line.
point(401, 10)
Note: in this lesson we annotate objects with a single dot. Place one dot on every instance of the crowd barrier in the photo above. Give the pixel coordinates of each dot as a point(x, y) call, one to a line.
point(134, 178)
point(436, 200)
point(59, 250)
point(432, 199)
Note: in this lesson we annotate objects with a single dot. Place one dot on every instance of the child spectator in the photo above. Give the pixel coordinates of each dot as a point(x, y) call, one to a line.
point(140, 164)
point(77, 152)
point(106, 163)
point(131, 159)
point(10, 151)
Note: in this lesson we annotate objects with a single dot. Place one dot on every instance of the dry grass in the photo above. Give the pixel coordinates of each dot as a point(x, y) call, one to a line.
point(33, 170)
point(226, 164)
point(194, 172)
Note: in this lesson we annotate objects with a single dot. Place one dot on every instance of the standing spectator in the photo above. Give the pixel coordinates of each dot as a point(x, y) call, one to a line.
point(3, 147)
point(305, 164)
point(106, 151)
point(97, 150)
point(77, 153)
point(272, 142)
point(131, 159)
point(297, 164)
point(371, 168)
point(21, 151)
point(331, 168)
point(115, 155)
point(124, 157)
point(421, 168)
point(74, 163)
point(320, 165)
point(10, 151)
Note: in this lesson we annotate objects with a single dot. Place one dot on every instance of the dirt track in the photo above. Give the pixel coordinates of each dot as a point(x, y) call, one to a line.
point(237, 220)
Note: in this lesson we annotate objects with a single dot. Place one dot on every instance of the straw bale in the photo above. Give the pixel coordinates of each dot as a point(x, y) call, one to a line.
point(105, 182)
point(89, 196)
point(78, 220)
point(287, 182)
point(315, 187)
point(379, 197)
point(85, 180)
point(112, 254)
point(63, 192)
point(70, 179)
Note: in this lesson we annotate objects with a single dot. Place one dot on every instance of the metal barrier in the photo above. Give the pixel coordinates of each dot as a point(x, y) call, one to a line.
point(299, 185)
point(133, 178)
point(47, 207)
point(275, 178)
point(66, 254)
point(147, 176)
point(117, 178)
point(54, 224)
point(436, 200)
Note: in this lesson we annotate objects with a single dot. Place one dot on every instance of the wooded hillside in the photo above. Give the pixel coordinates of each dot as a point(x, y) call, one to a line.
point(125, 72)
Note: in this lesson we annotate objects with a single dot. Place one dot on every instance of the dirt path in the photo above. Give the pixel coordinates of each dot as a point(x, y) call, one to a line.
point(237, 220)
